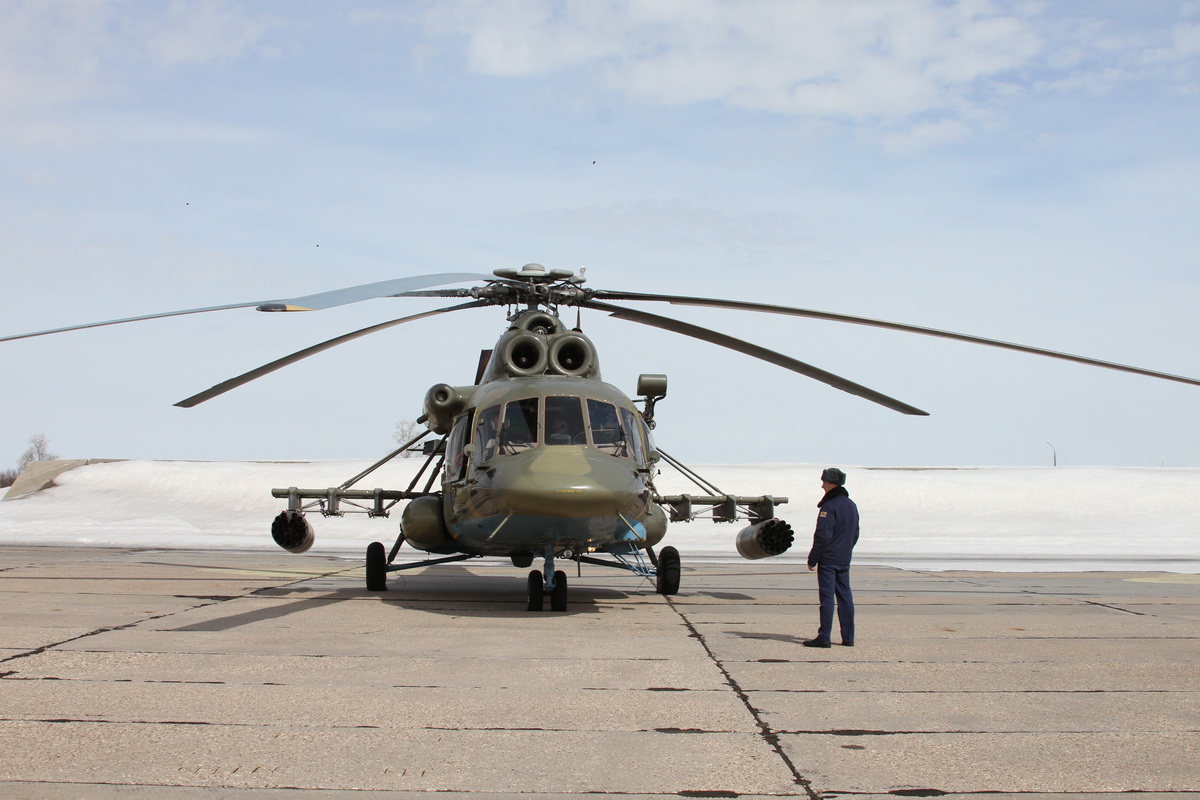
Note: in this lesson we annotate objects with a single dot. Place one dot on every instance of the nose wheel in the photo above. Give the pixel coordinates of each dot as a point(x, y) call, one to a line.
point(558, 595)
point(535, 593)
point(537, 590)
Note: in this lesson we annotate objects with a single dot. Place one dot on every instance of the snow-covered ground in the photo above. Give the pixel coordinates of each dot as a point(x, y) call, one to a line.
point(987, 518)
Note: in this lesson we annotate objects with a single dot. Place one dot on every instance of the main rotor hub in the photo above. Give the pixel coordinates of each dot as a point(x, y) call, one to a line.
point(534, 286)
point(534, 273)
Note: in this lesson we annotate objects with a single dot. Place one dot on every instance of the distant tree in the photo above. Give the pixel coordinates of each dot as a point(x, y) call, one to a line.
point(406, 429)
point(39, 450)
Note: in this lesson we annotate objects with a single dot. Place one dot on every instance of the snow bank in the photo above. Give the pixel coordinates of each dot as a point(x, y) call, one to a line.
point(998, 518)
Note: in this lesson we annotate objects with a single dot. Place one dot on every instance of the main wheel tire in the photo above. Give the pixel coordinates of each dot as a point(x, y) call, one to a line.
point(536, 588)
point(666, 580)
point(558, 596)
point(376, 567)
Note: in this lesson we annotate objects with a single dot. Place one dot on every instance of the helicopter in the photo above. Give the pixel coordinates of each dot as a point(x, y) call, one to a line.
point(539, 458)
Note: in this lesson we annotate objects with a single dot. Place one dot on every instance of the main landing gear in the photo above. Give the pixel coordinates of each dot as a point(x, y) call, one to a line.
point(666, 578)
point(543, 583)
point(376, 568)
point(379, 564)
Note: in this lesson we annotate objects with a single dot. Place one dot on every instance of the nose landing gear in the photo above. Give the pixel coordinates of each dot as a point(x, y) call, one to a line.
point(535, 591)
point(538, 589)
point(555, 585)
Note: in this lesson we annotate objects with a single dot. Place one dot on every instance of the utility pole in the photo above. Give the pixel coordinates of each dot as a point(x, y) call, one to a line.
point(1055, 452)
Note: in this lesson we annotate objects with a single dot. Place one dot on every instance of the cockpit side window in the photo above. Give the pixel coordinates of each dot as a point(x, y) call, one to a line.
point(564, 421)
point(520, 431)
point(487, 434)
point(634, 427)
point(455, 463)
point(607, 434)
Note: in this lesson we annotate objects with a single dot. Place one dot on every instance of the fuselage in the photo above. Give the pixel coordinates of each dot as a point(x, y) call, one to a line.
point(550, 460)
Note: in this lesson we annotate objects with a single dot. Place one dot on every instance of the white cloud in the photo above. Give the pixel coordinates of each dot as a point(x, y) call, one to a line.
point(927, 134)
point(1098, 56)
point(1184, 45)
point(683, 225)
point(200, 32)
point(48, 51)
point(910, 70)
point(68, 50)
point(883, 58)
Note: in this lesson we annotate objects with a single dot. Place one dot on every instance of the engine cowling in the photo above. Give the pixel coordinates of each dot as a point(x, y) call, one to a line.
point(443, 403)
point(292, 531)
point(764, 539)
point(537, 343)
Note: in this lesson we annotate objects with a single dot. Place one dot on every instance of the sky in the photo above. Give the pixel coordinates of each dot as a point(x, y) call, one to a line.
point(978, 518)
point(1024, 171)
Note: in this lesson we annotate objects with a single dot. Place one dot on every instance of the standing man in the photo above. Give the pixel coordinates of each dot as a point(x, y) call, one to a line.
point(833, 543)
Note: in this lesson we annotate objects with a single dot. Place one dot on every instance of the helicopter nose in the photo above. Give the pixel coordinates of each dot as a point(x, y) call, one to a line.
point(567, 481)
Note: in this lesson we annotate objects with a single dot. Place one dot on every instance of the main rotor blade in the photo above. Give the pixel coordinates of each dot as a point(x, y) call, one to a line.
point(127, 319)
point(704, 334)
point(896, 326)
point(266, 369)
point(368, 291)
point(312, 302)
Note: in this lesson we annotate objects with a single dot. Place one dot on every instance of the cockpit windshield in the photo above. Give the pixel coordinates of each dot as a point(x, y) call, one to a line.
point(564, 421)
point(607, 434)
point(519, 425)
point(520, 430)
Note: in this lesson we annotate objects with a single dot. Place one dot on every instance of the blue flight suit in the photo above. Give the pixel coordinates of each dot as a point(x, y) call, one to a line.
point(833, 544)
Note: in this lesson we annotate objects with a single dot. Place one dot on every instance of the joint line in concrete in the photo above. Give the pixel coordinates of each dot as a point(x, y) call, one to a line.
point(764, 731)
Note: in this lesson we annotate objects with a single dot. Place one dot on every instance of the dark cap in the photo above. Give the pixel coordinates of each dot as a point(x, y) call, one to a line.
point(833, 475)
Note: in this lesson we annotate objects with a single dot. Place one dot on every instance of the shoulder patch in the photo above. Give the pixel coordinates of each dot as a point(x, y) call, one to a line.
point(823, 513)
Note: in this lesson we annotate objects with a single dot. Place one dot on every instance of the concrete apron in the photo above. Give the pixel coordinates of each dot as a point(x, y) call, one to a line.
point(199, 674)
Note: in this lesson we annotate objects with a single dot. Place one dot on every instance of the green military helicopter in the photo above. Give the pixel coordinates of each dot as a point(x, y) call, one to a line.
point(539, 458)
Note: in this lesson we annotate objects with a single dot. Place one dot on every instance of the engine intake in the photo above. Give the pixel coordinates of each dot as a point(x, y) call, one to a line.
point(572, 354)
point(524, 354)
point(770, 537)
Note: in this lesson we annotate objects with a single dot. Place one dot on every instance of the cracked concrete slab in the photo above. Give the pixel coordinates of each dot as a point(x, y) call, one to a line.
point(187, 674)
